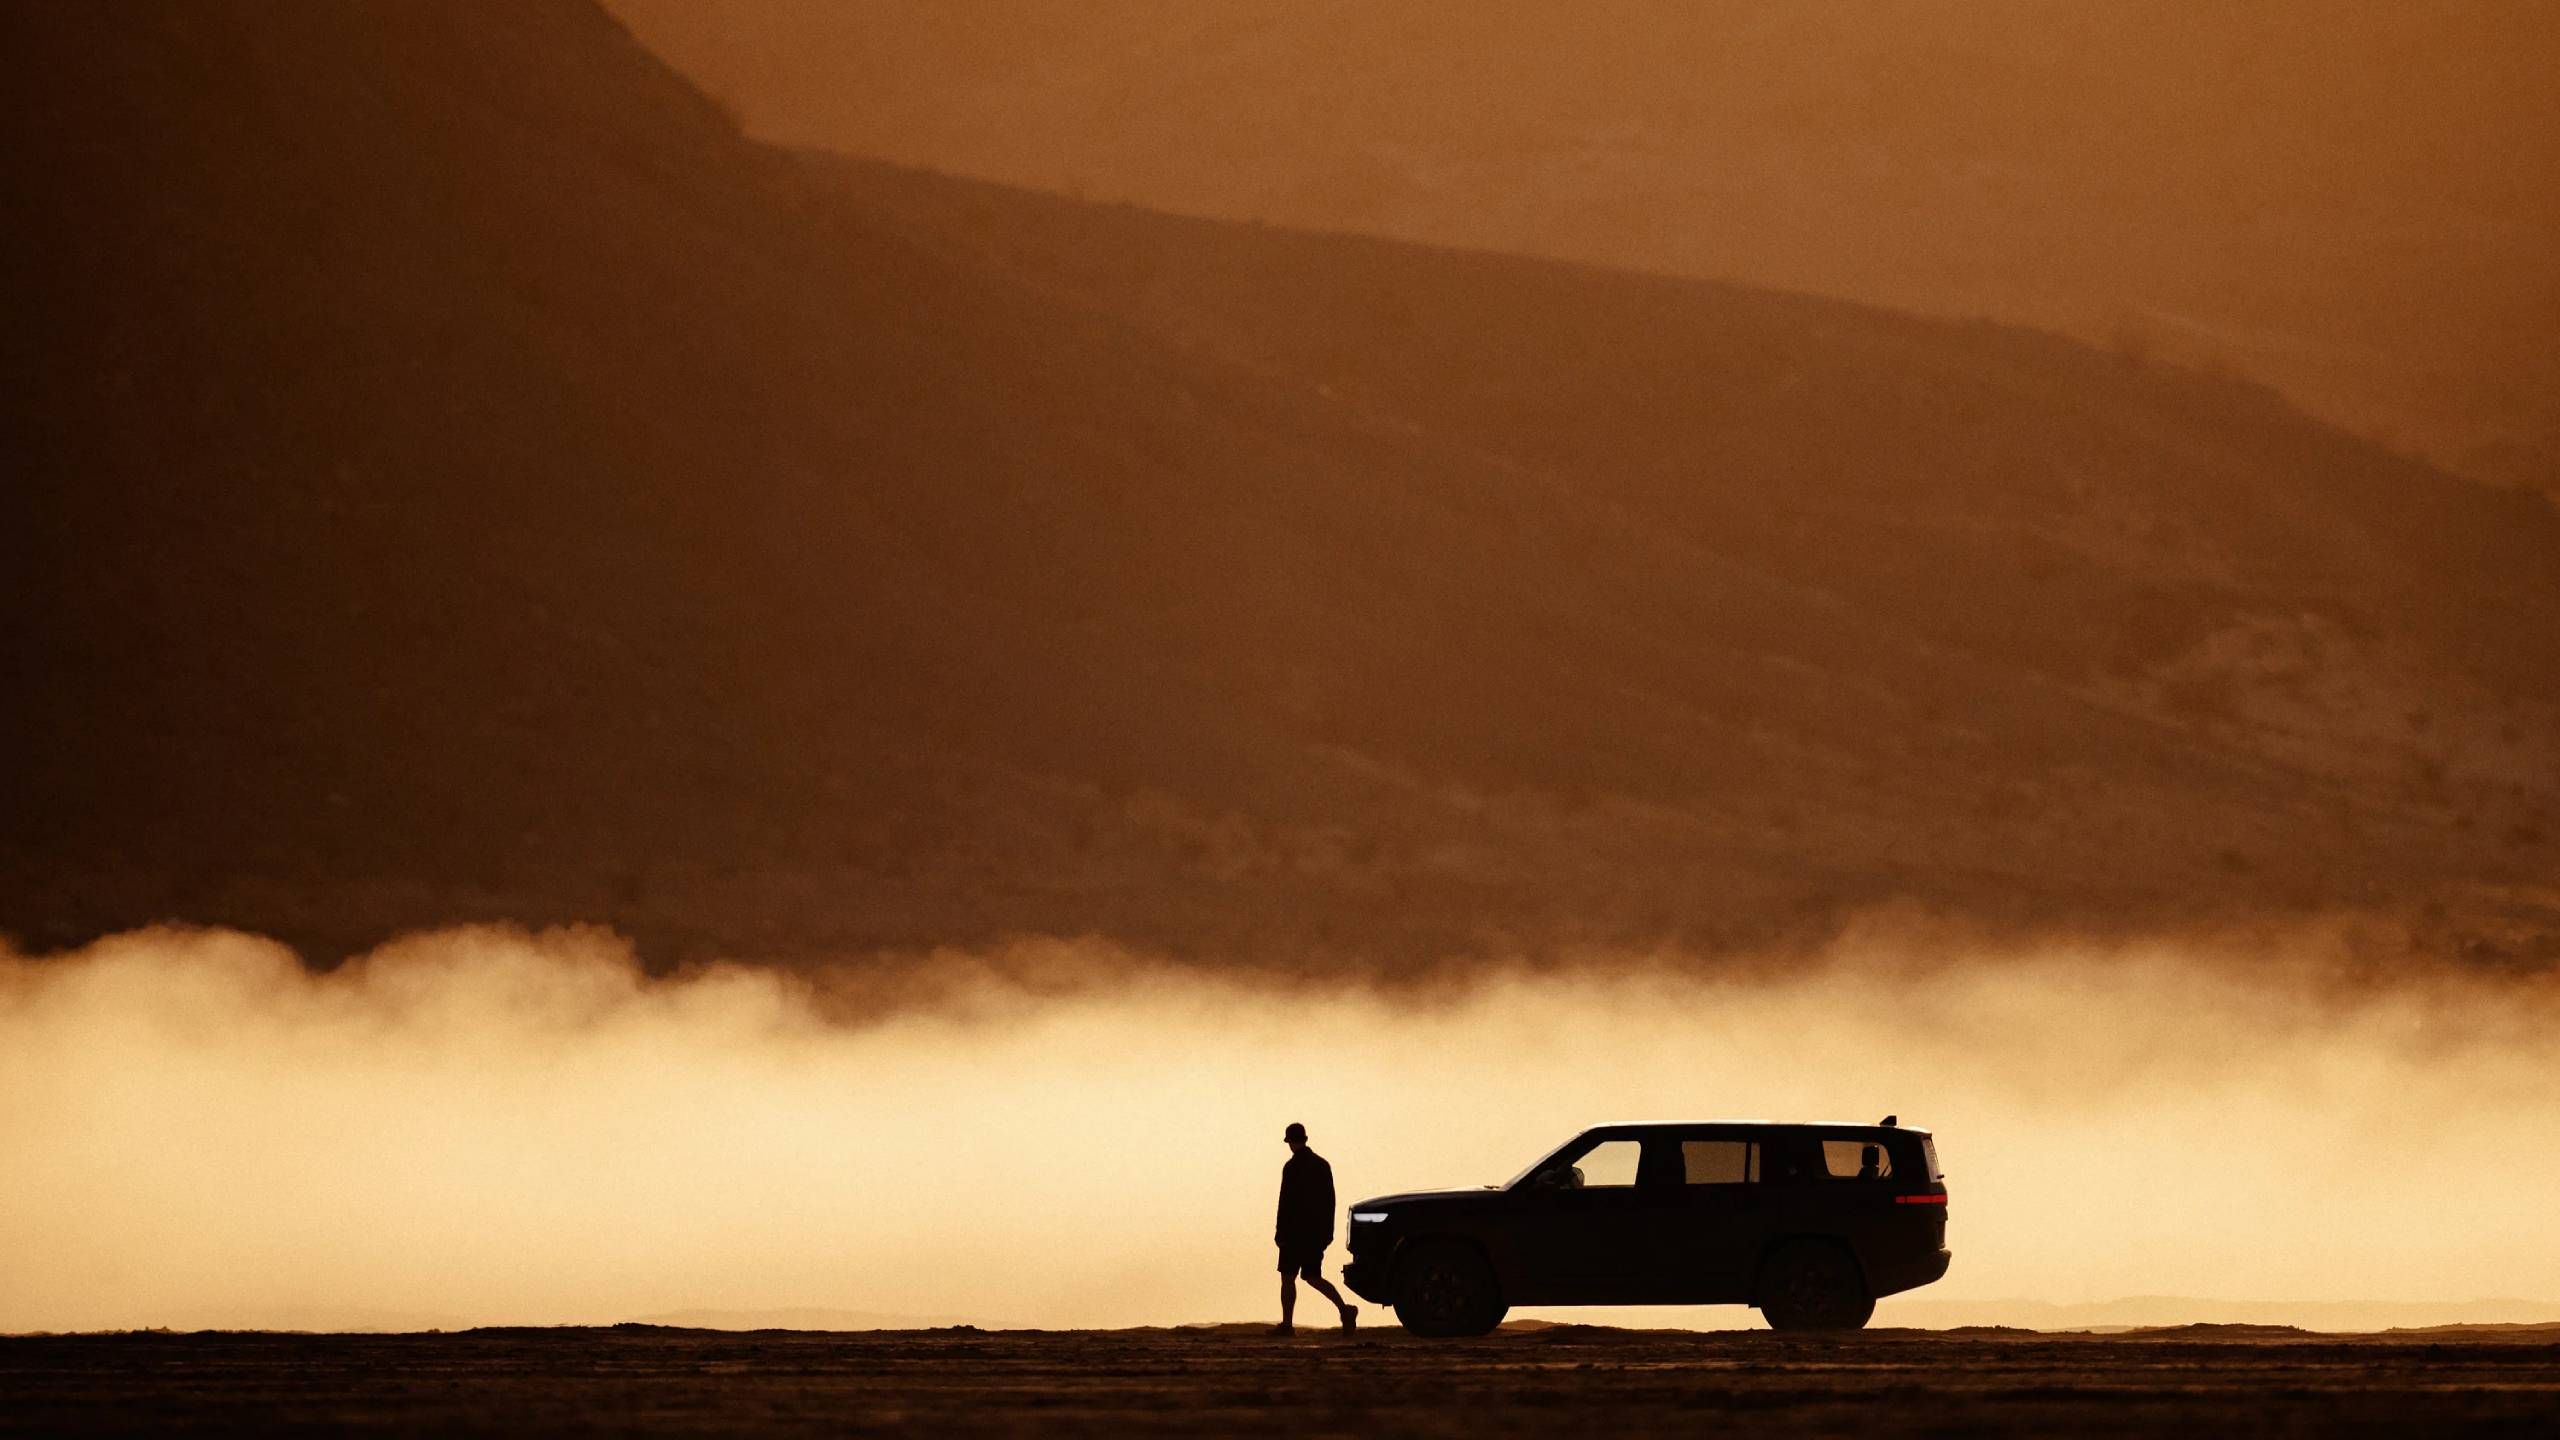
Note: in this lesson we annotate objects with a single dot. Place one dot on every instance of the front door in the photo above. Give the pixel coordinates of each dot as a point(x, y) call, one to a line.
point(1578, 1231)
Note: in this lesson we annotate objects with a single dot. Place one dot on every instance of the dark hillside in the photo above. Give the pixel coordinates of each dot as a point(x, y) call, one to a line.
point(2185, 571)
point(457, 476)
point(1940, 472)
point(2355, 203)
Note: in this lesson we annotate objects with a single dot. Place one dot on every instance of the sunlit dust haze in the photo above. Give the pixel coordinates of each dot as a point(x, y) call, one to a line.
point(487, 1126)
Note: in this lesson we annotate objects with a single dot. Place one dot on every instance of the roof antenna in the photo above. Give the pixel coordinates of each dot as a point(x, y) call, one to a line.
point(1889, 1121)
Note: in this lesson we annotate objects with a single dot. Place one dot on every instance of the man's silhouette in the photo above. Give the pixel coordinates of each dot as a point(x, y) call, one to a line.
point(1305, 1228)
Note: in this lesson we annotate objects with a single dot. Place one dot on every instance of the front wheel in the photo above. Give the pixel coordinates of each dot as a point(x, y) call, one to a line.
point(1813, 1286)
point(1445, 1289)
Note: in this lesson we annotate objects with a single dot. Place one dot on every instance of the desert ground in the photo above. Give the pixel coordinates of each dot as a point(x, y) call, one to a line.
point(1238, 1380)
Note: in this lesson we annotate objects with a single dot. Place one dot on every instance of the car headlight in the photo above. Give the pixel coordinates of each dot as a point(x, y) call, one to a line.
point(1368, 1217)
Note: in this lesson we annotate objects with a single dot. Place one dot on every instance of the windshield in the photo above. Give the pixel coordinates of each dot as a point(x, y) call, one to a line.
point(1534, 1166)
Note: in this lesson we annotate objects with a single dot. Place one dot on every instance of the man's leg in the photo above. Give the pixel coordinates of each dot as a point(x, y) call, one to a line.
point(1288, 1297)
point(1325, 1288)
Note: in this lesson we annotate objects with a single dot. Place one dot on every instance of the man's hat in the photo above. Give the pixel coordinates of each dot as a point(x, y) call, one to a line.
point(1295, 1131)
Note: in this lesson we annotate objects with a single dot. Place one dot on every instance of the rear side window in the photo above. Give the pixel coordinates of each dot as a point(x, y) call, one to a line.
point(1929, 1152)
point(1719, 1162)
point(1856, 1160)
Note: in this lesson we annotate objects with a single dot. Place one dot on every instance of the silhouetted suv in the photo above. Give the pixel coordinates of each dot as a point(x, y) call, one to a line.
point(1808, 1222)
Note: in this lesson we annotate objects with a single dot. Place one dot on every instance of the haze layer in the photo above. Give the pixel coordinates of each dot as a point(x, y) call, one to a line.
point(486, 1127)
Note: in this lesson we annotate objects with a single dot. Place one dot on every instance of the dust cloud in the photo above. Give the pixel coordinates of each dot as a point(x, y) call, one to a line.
point(483, 1126)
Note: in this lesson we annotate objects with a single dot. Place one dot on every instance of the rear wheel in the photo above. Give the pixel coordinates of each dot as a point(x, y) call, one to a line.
point(1814, 1286)
point(1444, 1288)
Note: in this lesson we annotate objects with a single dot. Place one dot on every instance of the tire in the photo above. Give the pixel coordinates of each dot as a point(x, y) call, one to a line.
point(1444, 1288)
point(1813, 1285)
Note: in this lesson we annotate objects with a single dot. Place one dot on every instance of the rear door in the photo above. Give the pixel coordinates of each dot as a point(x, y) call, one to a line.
point(1850, 1184)
point(1708, 1236)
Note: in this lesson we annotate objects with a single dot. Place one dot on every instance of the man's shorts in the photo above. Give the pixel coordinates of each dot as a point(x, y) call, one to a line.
point(1307, 1260)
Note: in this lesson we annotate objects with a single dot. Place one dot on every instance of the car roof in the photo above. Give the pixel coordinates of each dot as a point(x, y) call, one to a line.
point(1754, 1125)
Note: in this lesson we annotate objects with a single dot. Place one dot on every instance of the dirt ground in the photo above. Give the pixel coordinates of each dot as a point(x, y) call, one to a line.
point(1234, 1379)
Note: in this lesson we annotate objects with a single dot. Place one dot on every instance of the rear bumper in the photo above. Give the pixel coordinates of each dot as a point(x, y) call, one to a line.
point(1891, 1277)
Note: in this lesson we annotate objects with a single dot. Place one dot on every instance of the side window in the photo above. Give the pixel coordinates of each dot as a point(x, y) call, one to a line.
point(1791, 1160)
point(1856, 1160)
point(1608, 1164)
point(1720, 1162)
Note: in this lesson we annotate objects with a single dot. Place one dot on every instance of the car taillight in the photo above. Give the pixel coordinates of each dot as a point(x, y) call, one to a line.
point(1919, 1199)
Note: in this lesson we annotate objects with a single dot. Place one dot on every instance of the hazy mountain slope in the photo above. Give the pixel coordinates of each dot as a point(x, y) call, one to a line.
point(2376, 641)
point(450, 453)
point(457, 475)
point(2356, 202)
point(1820, 440)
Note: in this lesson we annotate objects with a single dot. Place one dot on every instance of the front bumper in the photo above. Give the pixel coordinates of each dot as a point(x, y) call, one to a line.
point(1367, 1276)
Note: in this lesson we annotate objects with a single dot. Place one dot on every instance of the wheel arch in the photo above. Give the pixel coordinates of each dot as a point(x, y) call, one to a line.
point(1413, 1243)
point(1778, 1245)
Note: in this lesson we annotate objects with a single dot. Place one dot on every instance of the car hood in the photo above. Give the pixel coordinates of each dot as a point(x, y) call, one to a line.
point(1411, 1198)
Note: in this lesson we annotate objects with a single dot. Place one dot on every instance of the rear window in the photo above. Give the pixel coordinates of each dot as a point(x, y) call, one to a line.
point(1856, 1160)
